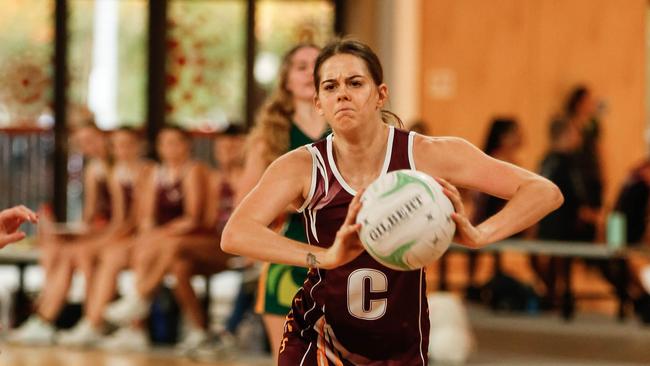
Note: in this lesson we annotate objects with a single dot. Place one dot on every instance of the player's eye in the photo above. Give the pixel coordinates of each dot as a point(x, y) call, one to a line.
point(356, 83)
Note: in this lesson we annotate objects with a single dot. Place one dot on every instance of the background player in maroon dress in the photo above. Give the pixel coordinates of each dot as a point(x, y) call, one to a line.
point(92, 143)
point(352, 310)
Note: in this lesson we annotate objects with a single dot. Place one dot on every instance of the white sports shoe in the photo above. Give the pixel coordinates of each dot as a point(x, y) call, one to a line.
point(127, 309)
point(126, 339)
point(193, 339)
point(34, 332)
point(82, 335)
point(218, 349)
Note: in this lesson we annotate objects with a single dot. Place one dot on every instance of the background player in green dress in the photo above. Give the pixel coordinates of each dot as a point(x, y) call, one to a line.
point(287, 121)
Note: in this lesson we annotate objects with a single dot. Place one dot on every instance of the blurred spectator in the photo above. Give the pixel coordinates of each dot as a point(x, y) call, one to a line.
point(503, 141)
point(582, 112)
point(633, 202)
point(560, 166)
point(575, 220)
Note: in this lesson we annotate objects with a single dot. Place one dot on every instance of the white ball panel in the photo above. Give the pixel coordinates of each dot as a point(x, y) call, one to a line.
point(406, 220)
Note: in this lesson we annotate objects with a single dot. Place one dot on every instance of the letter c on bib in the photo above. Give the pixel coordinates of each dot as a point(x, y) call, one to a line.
point(361, 283)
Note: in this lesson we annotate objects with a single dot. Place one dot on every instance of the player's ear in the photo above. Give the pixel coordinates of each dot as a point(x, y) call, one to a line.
point(382, 91)
point(318, 106)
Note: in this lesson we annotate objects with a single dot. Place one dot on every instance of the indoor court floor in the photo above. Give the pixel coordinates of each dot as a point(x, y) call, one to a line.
point(58, 356)
point(594, 337)
point(502, 339)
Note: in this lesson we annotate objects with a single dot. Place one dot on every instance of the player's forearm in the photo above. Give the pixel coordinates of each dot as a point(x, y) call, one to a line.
point(533, 200)
point(253, 240)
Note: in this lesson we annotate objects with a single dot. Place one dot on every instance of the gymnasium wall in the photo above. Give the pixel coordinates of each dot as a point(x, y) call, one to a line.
point(520, 58)
point(382, 24)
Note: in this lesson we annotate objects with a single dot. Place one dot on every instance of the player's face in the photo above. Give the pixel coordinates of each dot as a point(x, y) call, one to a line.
point(90, 142)
point(573, 138)
point(125, 146)
point(228, 150)
point(172, 146)
point(347, 95)
point(513, 140)
point(588, 105)
point(300, 80)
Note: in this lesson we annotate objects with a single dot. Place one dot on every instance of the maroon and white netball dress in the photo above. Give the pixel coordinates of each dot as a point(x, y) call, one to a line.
point(226, 206)
point(361, 313)
point(126, 179)
point(102, 214)
point(169, 195)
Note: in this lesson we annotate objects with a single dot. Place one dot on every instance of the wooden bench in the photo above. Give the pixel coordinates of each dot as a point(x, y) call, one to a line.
point(570, 251)
point(23, 255)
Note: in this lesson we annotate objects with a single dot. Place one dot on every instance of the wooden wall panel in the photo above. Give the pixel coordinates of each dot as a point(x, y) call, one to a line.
point(521, 58)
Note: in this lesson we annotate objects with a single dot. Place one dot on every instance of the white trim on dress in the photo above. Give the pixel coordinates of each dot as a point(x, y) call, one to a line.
point(335, 169)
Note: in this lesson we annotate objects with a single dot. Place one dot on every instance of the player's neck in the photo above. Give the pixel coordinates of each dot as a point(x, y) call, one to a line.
point(361, 156)
point(132, 165)
point(175, 166)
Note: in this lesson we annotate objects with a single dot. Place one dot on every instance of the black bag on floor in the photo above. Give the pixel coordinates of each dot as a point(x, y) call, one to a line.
point(164, 317)
point(505, 293)
point(642, 308)
point(69, 316)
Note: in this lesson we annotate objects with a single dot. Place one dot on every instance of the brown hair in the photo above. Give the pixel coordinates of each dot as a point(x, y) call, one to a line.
point(274, 119)
point(363, 51)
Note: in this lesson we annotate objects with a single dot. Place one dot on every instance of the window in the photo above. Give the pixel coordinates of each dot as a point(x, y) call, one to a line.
point(27, 44)
point(206, 61)
point(107, 62)
point(282, 24)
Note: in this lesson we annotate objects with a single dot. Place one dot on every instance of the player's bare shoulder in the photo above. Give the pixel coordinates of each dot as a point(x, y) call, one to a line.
point(295, 161)
point(294, 167)
point(438, 155)
point(439, 144)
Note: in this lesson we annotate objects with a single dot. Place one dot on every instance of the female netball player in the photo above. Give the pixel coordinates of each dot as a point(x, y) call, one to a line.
point(353, 310)
point(92, 143)
point(287, 121)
